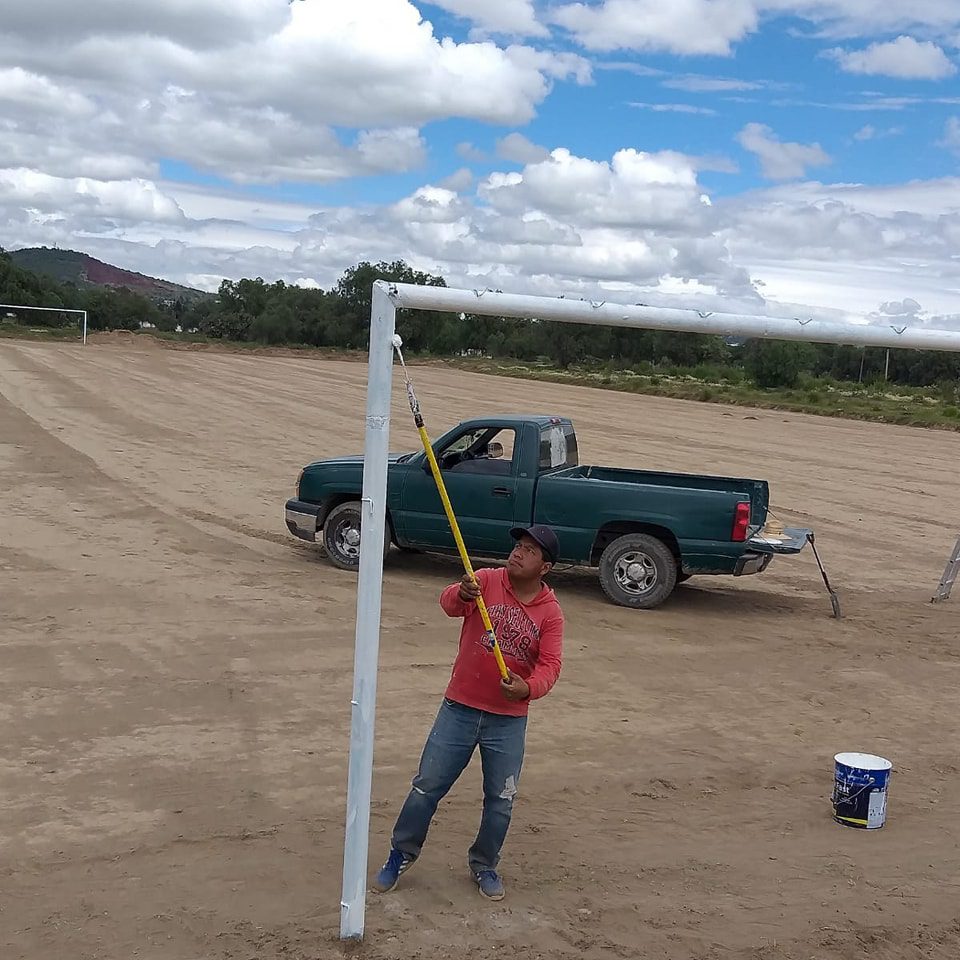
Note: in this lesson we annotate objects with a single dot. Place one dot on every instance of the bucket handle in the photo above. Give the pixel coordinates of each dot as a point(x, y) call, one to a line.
point(854, 796)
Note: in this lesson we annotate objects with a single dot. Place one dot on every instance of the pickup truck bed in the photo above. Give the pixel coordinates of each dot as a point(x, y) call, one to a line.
point(672, 505)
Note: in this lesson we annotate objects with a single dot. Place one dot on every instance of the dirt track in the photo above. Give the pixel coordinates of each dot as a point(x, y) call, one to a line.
point(176, 672)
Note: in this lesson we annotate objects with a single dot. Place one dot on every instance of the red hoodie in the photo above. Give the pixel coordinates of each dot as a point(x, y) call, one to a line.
point(530, 637)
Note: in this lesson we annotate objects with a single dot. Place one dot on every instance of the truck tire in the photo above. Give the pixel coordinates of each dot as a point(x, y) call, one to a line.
point(638, 570)
point(341, 535)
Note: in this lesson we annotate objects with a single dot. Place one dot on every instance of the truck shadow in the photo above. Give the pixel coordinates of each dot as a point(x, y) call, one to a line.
point(707, 595)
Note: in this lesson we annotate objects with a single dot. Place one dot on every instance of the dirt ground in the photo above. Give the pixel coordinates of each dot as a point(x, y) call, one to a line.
point(176, 670)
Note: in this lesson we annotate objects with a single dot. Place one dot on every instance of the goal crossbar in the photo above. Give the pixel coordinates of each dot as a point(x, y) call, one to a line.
point(642, 316)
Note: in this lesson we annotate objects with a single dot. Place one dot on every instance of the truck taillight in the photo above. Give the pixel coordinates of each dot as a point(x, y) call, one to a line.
point(741, 521)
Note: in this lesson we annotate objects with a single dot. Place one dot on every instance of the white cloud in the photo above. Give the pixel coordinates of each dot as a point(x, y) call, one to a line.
point(198, 25)
point(635, 189)
point(470, 152)
point(458, 181)
point(204, 204)
point(681, 26)
point(517, 148)
point(241, 143)
point(716, 163)
point(21, 89)
point(780, 161)
point(900, 308)
point(125, 200)
point(850, 245)
point(924, 199)
point(714, 26)
point(864, 18)
point(870, 132)
point(674, 108)
point(259, 101)
point(498, 16)
point(624, 66)
point(694, 83)
point(904, 57)
point(429, 205)
point(951, 135)
point(531, 228)
point(400, 148)
point(826, 229)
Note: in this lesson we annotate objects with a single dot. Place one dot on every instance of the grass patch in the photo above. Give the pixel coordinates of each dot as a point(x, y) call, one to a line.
point(883, 403)
point(15, 331)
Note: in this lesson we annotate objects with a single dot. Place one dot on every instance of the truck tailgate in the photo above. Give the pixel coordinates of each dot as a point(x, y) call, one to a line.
point(793, 540)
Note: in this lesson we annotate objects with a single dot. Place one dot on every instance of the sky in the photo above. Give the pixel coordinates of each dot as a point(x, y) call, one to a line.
point(782, 157)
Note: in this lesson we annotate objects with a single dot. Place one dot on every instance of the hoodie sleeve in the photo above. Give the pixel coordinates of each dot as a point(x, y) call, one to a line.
point(450, 601)
point(545, 674)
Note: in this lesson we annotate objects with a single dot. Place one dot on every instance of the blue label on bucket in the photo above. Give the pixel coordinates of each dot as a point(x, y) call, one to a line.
point(860, 789)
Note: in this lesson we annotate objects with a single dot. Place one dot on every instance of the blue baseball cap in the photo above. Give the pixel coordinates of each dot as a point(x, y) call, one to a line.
point(543, 536)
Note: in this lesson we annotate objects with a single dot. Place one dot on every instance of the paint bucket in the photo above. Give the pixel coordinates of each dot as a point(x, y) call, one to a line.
point(860, 790)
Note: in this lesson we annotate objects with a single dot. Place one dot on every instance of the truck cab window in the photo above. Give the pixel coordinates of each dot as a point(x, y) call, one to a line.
point(488, 451)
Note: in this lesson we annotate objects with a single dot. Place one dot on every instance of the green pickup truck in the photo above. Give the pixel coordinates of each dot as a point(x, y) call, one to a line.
point(645, 531)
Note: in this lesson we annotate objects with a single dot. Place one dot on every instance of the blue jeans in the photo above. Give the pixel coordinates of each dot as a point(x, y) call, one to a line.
point(457, 731)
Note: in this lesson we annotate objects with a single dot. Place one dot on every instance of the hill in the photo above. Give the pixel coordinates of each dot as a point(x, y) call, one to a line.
point(71, 266)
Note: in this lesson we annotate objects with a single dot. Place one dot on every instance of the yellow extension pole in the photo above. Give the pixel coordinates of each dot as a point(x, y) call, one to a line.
point(435, 469)
point(448, 508)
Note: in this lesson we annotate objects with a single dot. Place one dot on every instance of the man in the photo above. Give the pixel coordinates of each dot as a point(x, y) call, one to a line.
point(482, 709)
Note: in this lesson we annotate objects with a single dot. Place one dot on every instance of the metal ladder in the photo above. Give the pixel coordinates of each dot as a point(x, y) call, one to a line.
point(949, 575)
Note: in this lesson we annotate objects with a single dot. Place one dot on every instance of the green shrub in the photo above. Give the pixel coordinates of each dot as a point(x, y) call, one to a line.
point(777, 363)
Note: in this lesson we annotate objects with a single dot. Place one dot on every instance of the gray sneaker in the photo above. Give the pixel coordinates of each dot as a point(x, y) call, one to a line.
point(489, 884)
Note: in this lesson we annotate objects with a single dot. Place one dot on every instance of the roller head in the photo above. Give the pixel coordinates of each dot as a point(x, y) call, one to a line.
point(397, 341)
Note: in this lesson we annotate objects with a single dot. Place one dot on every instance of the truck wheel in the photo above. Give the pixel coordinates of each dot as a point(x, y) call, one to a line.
point(638, 570)
point(341, 535)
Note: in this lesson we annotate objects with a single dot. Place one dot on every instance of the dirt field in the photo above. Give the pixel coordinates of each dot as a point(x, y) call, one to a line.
point(176, 675)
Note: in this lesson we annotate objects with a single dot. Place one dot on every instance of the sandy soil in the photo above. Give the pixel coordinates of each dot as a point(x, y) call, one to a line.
point(176, 674)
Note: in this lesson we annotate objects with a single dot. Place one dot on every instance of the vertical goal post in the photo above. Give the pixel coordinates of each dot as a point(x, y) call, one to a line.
point(387, 299)
point(21, 306)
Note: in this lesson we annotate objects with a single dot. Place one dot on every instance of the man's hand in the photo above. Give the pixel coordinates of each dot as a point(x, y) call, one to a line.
point(468, 589)
point(514, 688)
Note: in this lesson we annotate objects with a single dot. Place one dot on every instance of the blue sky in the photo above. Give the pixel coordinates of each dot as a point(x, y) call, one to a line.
point(761, 154)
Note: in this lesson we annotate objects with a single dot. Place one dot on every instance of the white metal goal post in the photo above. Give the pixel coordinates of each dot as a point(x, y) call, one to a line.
point(20, 306)
point(387, 299)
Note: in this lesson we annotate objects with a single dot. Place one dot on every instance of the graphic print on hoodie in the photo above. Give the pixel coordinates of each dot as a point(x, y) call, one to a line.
point(530, 637)
point(516, 633)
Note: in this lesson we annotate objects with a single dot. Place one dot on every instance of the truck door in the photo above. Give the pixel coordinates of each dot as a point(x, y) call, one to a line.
point(479, 471)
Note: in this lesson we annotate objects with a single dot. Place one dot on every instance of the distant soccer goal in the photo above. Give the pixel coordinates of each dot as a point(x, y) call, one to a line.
point(20, 306)
point(387, 299)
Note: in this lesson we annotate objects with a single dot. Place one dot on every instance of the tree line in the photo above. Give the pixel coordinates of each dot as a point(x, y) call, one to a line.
point(256, 311)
